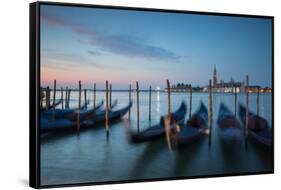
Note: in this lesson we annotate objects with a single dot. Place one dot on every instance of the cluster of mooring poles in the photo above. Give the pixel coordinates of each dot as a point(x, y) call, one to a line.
point(65, 99)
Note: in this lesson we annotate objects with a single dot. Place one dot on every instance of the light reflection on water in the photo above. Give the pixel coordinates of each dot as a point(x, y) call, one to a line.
point(91, 157)
point(158, 102)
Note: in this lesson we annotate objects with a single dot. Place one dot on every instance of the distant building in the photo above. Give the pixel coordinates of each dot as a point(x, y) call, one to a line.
point(215, 78)
point(266, 89)
point(255, 89)
point(230, 86)
point(181, 87)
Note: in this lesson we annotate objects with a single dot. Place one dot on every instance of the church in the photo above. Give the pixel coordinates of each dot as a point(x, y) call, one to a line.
point(230, 86)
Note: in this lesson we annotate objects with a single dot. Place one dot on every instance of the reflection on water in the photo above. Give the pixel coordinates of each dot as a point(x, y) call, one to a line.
point(158, 102)
point(91, 157)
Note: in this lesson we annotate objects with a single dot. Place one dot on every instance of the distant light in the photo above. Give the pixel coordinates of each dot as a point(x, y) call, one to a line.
point(158, 88)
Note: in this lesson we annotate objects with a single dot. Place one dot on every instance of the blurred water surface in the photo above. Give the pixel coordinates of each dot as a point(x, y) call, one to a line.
point(91, 157)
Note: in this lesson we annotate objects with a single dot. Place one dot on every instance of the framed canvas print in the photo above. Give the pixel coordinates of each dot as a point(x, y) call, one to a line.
point(120, 94)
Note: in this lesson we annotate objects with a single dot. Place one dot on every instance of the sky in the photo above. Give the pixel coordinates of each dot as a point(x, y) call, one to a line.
point(124, 46)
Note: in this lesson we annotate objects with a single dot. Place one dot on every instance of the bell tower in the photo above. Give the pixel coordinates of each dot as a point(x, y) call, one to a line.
point(215, 78)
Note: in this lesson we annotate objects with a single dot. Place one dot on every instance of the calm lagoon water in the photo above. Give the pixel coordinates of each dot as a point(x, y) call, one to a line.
point(91, 157)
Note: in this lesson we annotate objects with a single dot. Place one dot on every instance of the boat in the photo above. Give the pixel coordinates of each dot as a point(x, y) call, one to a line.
point(230, 130)
point(114, 104)
point(158, 130)
point(85, 106)
point(100, 116)
point(52, 106)
point(195, 128)
point(258, 129)
point(87, 119)
point(60, 114)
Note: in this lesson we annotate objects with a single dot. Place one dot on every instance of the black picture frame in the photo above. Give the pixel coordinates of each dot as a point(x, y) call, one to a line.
point(34, 91)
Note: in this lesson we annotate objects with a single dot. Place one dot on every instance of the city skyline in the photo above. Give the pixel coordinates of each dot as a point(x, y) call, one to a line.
point(122, 46)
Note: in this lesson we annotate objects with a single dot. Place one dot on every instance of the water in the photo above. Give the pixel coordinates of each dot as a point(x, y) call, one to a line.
point(91, 157)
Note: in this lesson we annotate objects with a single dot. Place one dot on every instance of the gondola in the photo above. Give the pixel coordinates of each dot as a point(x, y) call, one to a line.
point(99, 117)
point(229, 128)
point(258, 129)
point(60, 114)
point(114, 104)
point(195, 128)
point(158, 130)
point(52, 106)
point(86, 120)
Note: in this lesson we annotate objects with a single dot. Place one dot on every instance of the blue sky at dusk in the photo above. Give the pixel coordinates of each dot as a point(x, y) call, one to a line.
point(122, 46)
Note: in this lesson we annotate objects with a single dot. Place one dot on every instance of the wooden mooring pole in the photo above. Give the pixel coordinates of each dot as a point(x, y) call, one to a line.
point(247, 110)
point(130, 101)
point(47, 98)
point(61, 98)
point(94, 96)
point(138, 107)
point(168, 119)
point(190, 101)
point(85, 98)
point(41, 97)
point(79, 107)
point(169, 102)
point(106, 112)
point(149, 116)
point(110, 96)
point(54, 94)
point(235, 101)
point(211, 111)
point(258, 101)
point(66, 95)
